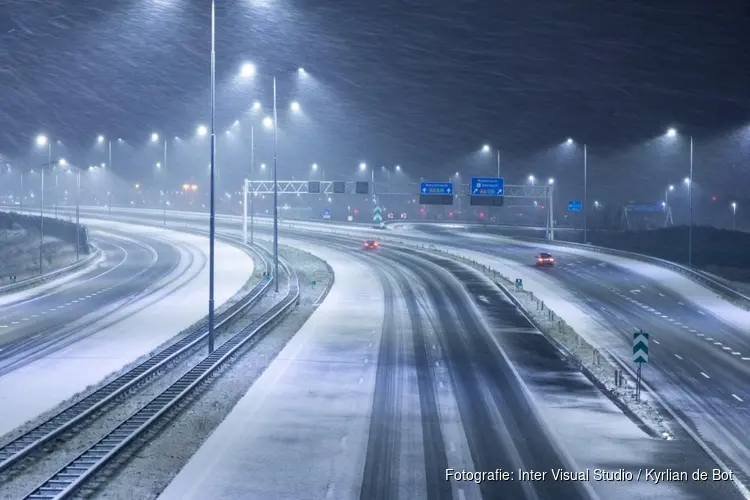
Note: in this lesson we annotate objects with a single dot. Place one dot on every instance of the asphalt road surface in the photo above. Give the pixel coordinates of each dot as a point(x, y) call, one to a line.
point(42, 322)
point(699, 364)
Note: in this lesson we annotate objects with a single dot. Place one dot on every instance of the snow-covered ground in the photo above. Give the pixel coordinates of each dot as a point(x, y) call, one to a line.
point(311, 406)
point(48, 381)
point(689, 289)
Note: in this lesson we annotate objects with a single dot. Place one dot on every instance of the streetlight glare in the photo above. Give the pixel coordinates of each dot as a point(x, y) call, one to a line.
point(570, 140)
point(100, 139)
point(295, 106)
point(734, 204)
point(362, 166)
point(41, 140)
point(671, 132)
point(247, 70)
point(62, 162)
point(256, 105)
point(486, 148)
point(551, 180)
point(315, 166)
point(398, 168)
point(202, 130)
point(531, 178)
point(301, 71)
point(262, 166)
point(671, 187)
point(158, 164)
point(154, 137)
point(268, 122)
point(686, 180)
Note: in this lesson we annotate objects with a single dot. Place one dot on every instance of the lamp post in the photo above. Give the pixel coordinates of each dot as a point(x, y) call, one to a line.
point(734, 215)
point(42, 140)
point(673, 133)
point(275, 194)
point(212, 213)
point(252, 175)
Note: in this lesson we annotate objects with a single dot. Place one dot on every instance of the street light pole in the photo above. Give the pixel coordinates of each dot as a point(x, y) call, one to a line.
point(165, 184)
point(585, 194)
point(275, 195)
point(111, 173)
point(252, 175)
point(78, 214)
point(212, 220)
point(690, 196)
point(498, 162)
point(41, 209)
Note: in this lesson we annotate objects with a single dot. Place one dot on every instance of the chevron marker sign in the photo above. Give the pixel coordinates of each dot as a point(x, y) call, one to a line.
point(640, 347)
point(377, 216)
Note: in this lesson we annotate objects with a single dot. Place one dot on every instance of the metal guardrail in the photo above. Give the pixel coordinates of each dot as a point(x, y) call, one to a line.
point(13, 287)
point(72, 476)
point(727, 292)
point(75, 414)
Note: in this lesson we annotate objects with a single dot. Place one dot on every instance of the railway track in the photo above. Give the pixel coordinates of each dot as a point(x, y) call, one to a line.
point(67, 480)
point(67, 420)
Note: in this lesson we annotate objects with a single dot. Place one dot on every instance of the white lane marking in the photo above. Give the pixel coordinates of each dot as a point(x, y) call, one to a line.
point(709, 338)
point(24, 319)
point(14, 322)
point(701, 312)
point(727, 348)
point(701, 334)
point(693, 330)
point(671, 320)
point(678, 356)
point(3, 326)
point(735, 396)
point(745, 359)
point(680, 303)
point(656, 341)
point(705, 375)
point(717, 343)
point(661, 294)
point(736, 353)
point(484, 299)
point(686, 327)
point(34, 315)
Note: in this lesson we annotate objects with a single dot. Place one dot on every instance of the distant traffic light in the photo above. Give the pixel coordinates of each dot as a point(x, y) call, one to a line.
point(713, 198)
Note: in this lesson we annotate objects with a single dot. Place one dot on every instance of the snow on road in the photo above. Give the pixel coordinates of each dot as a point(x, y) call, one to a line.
point(45, 383)
point(700, 296)
point(301, 431)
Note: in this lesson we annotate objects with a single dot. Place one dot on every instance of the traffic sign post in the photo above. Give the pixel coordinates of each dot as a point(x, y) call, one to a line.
point(326, 213)
point(575, 206)
point(377, 217)
point(487, 191)
point(640, 357)
point(519, 285)
point(436, 193)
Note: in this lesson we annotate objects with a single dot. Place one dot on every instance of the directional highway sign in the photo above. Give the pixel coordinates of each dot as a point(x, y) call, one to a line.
point(436, 188)
point(640, 347)
point(575, 206)
point(487, 186)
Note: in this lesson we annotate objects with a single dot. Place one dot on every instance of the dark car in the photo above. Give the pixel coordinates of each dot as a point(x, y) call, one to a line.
point(545, 259)
point(371, 245)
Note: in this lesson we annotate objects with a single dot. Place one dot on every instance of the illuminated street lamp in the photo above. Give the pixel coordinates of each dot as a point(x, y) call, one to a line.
point(689, 181)
point(268, 122)
point(295, 106)
point(734, 214)
point(247, 70)
point(42, 141)
point(256, 106)
point(201, 131)
point(154, 137)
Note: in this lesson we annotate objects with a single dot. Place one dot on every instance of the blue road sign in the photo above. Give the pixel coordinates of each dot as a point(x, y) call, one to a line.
point(436, 188)
point(487, 186)
point(326, 213)
point(575, 206)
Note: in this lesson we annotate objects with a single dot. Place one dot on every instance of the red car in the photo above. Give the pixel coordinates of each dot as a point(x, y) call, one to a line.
point(545, 259)
point(371, 245)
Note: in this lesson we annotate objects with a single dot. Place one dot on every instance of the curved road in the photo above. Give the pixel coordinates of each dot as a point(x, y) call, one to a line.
point(698, 363)
point(40, 322)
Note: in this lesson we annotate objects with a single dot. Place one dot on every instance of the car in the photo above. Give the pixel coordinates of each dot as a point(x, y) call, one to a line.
point(545, 259)
point(371, 245)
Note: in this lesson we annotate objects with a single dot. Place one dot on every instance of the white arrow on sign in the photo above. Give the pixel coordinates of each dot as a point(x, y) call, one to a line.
point(640, 347)
point(424, 190)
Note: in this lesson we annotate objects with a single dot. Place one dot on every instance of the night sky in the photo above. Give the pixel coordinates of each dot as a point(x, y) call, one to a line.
point(421, 84)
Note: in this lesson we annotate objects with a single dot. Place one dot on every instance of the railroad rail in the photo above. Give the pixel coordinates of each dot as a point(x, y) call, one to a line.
point(72, 476)
point(74, 415)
